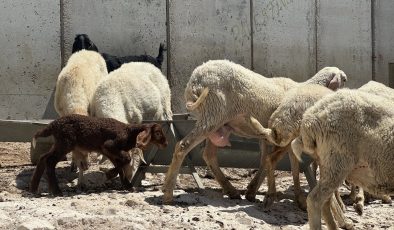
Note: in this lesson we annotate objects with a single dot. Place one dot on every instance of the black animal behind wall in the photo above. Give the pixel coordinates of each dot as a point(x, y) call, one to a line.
point(82, 41)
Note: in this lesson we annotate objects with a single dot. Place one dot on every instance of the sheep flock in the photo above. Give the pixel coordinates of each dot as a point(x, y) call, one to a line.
point(102, 101)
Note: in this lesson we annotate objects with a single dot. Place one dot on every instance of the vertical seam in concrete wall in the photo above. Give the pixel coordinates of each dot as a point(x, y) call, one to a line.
point(169, 77)
point(316, 35)
point(62, 48)
point(251, 36)
point(373, 39)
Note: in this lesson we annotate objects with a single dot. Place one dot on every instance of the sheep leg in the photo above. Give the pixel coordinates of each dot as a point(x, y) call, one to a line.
point(331, 177)
point(73, 165)
point(80, 158)
point(386, 199)
point(81, 180)
point(258, 179)
point(327, 214)
point(272, 161)
point(256, 182)
point(318, 206)
point(358, 198)
point(182, 148)
point(339, 200)
point(51, 162)
point(338, 211)
point(300, 197)
point(40, 168)
point(119, 159)
point(211, 160)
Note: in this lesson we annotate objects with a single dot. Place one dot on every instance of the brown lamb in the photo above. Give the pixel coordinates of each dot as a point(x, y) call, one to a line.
point(107, 136)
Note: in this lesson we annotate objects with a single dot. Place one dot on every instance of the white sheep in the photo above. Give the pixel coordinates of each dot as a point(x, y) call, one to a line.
point(75, 86)
point(283, 127)
point(135, 92)
point(351, 135)
point(357, 193)
point(378, 89)
point(77, 82)
point(223, 95)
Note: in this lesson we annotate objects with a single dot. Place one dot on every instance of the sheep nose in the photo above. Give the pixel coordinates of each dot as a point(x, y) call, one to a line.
point(164, 145)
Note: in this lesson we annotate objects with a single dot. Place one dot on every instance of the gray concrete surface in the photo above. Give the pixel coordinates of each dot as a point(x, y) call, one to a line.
point(29, 56)
point(202, 30)
point(384, 40)
point(344, 38)
point(284, 38)
point(291, 38)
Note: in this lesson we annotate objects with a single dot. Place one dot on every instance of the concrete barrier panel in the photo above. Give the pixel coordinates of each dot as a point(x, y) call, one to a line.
point(384, 39)
point(117, 27)
point(284, 38)
point(344, 38)
point(202, 30)
point(29, 57)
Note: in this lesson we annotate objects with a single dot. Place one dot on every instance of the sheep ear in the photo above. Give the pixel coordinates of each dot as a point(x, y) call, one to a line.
point(92, 46)
point(144, 137)
point(335, 83)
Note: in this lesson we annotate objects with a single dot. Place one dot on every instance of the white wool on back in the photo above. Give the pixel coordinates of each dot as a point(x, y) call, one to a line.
point(77, 82)
point(136, 91)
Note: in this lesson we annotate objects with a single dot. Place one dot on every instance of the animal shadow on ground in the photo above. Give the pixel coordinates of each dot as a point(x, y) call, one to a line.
point(95, 180)
point(283, 212)
point(199, 197)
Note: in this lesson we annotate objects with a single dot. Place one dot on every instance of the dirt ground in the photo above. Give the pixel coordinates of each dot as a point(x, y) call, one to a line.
point(104, 205)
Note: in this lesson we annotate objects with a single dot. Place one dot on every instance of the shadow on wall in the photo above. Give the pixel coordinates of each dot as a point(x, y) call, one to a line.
point(391, 75)
point(50, 112)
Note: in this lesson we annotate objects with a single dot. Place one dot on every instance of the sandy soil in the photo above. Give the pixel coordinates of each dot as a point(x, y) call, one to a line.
point(104, 205)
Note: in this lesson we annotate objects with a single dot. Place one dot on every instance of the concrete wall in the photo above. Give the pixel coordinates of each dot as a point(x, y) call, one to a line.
point(292, 38)
point(283, 40)
point(29, 56)
point(384, 39)
point(344, 38)
point(201, 30)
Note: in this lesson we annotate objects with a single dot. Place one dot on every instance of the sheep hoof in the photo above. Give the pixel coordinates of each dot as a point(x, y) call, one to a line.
point(33, 189)
point(269, 200)
point(359, 208)
point(81, 186)
point(234, 195)
point(110, 174)
point(167, 199)
point(386, 199)
point(73, 167)
point(301, 202)
point(57, 193)
point(348, 225)
point(251, 198)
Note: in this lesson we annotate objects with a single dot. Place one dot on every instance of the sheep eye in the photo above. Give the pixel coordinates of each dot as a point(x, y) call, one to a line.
point(157, 135)
point(274, 133)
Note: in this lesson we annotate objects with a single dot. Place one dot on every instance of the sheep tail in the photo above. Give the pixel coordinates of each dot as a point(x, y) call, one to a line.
point(45, 132)
point(193, 105)
point(297, 146)
point(159, 57)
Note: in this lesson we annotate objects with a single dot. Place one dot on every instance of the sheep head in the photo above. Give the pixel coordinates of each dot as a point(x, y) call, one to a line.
point(330, 77)
point(82, 41)
point(153, 133)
